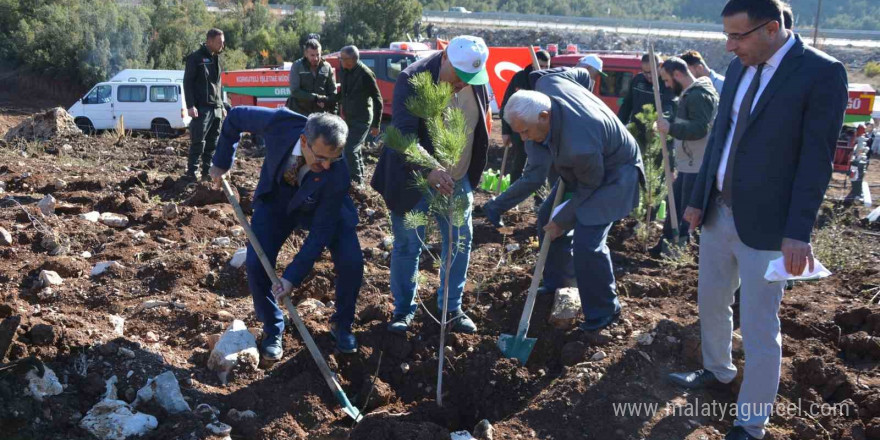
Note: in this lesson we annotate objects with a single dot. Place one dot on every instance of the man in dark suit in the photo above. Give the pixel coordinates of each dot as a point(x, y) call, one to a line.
point(601, 165)
point(303, 184)
point(766, 168)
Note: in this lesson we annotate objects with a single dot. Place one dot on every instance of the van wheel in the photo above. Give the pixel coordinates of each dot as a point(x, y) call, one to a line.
point(161, 129)
point(85, 125)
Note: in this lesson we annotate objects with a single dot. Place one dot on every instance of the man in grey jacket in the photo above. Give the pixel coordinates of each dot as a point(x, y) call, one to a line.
point(601, 165)
point(696, 109)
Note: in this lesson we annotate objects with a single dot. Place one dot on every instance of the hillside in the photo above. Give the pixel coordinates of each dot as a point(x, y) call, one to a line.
point(838, 14)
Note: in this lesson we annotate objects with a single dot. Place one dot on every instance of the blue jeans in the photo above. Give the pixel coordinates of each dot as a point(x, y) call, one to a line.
point(272, 224)
point(408, 247)
point(583, 260)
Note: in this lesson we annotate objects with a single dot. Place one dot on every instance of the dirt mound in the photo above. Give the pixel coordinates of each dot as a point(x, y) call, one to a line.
point(50, 124)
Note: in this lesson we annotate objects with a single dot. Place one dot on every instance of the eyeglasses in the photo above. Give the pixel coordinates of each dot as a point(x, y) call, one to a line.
point(740, 36)
point(322, 159)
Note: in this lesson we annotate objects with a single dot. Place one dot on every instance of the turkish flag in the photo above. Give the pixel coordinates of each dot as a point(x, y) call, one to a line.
point(503, 63)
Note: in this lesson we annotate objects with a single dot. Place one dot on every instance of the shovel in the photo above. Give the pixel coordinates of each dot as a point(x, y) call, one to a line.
point(658, 105)
point(349, 409)
point(519, 346)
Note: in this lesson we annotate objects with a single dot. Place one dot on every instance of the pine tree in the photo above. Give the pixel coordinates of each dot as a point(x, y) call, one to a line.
point(448, 132)
point(655, 184)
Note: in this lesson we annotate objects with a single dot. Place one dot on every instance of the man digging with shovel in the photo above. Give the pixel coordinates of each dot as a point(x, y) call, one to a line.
point(303, 184)
point(601, 166)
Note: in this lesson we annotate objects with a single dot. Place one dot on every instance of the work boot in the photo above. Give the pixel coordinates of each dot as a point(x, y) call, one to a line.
point(401, 323)
point(592, 325)
point(271, 348)
point(189, 176)
point(461, 323)
point(694, 380)
point(492, 215)
point(345, 341)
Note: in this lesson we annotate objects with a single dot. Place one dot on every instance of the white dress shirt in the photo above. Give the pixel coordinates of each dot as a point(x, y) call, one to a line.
point(770, 68)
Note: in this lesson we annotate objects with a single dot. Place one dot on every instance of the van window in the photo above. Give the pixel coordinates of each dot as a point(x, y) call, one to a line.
point(395, 64)
point(369, 62)
point(163, 94)
point(131, 93)
point(99, 95)
point(616, 84)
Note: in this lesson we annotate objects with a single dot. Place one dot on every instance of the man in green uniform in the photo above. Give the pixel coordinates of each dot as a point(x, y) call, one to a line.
point(312, 83)
point(201, 89)
point(361, 104)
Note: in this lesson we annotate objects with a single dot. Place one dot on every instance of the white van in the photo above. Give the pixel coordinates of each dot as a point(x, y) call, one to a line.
point(147, 99)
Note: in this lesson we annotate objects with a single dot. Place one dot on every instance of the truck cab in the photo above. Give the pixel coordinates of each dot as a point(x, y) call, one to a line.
point(621, 67)
point(143, 99)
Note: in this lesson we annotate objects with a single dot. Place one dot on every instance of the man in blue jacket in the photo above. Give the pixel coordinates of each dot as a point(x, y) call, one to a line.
point(303, 184)
point(764, 174)
point(463, 65)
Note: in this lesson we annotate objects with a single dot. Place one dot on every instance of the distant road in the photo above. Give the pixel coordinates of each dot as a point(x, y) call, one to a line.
point(830, 37)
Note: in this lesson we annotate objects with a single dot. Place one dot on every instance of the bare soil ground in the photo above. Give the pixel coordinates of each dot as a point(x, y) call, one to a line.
point(831, 327)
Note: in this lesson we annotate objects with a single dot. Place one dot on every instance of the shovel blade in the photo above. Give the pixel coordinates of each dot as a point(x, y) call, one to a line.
point(347, 407)
point(515, 347)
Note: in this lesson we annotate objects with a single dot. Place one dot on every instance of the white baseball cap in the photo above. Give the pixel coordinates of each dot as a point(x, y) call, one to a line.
point(468, 55)
point(593, 61)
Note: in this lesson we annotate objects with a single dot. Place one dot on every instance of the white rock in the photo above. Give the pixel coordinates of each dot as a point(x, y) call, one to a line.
point(151, 337)
point(566, 308)
point(114, 220)
point(47, 205)
point(165, 389)
point(404, 367)
point(461, 435)
point(118, 323)
point(239, 258)
point(45, 294)
point(126, 352)
point(221, 241)
point(135, 234)
point(40, 387)
point(370, 212)
point(169, 150)
point(5, 237)
point(67, 148)
point(102, 267)
point(236, 231)
point(309, 306)
point(110, 389)
point(645, 339)
point(93, 216)
point(599, 356)
point(50, 278)
point(219, 428)
point(236, 416)
point(59, 184)
point(225, 316)
point(234, 342)
point(512, 247)
point(388, 243)
point(114, 420)
point(86, 254)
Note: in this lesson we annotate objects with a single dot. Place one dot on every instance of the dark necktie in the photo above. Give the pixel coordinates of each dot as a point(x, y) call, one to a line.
point(742, 121)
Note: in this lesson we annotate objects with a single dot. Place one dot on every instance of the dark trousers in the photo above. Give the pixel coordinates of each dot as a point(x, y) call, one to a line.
point(204, 131)
point(272, 224)
point(516, 159)
point(681, 188)
point(354, 158)
point(584, 259)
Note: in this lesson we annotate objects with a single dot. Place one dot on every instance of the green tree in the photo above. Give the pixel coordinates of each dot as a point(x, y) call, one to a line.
point(447, 129)
point(655, 186)
point(371, 23)
point(177, 27)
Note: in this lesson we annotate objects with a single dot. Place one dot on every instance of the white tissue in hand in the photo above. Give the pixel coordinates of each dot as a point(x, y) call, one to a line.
point(776, 271)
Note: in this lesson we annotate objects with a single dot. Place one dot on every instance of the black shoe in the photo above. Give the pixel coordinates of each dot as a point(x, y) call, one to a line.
point(461, 323)
point(401, 323)
point(695, 379)
point(544, 290)
point(189, 176)
point(738, 433)
point(592, 325)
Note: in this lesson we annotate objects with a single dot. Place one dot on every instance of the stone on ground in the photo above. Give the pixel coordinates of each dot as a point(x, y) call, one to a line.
point(165, 389)
point(235, 341)
point(114, 420)
point(41, 387)
point(566, 308)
